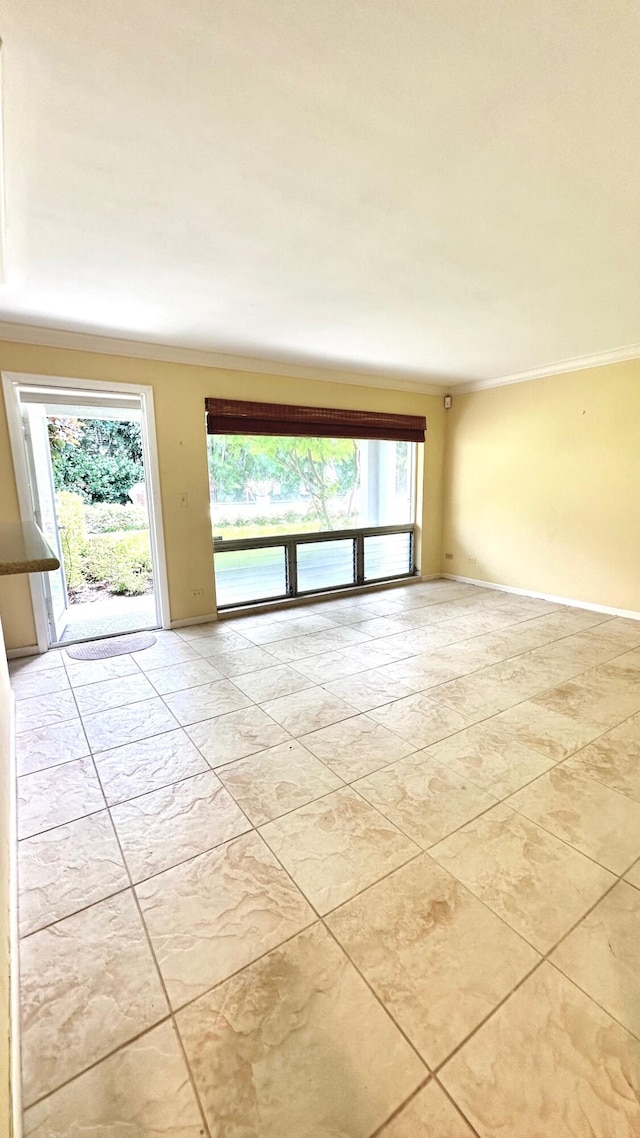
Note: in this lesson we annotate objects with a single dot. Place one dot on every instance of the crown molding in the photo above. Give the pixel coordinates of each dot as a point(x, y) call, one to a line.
point(580, 363)
point(165, 353)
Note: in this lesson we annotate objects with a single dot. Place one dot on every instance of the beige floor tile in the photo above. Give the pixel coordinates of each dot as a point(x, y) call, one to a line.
point(425, 671)
point(429, 948)
point(628, 662)
point(373, 654)
point(206, 701)
point(356, 747)
point(379, 626)
point(168, 826)
point(482, 693)
point(107, 694)
point(601, 955)
point(41, 663)
point(420, 720)
point(623, 633)
point(44, 710)
point(594, 819)
point(237, 662)
point(491, 758)
point(555, 735)
point(165, 652)
point(49, 746)
point(128, 724)
point(26, 685)
point(336, 846)
point(142, 1090)
point(270, 683)
point(410, 642)
point(368, 689)
point(278, 780)
point(299, 647)
point(57, 795)
point(328, 666)
point(236, 735)
point(66, 869)
point(210, 647)
point(308, 710)
point(613, 759)
point(211, 916)
point(81, 672)
point(425, 799)
point(633, 875)
point(430, 1114)
point(268, 631)
point(297, 1045)
point(536, 883)
point(216, 632)
point(88, 985)
point(593, 698)
point(146, 765)
point(177, 677)
point(548, 1063)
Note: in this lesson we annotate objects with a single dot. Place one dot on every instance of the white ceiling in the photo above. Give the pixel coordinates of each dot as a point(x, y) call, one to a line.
point(438, 189)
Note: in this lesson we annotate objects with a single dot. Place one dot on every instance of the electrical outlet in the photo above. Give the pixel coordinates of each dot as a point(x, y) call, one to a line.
point(183, 501)
point(197, 594)
point(448, 556)
point(472, 560)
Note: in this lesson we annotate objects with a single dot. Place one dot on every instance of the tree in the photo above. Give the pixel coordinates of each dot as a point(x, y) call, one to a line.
point(324, 469)
point(98, 458)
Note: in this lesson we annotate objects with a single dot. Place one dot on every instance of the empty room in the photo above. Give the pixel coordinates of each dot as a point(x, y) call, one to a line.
point(319, 569)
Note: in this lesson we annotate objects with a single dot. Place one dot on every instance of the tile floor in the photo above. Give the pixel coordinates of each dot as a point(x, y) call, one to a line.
point(367, 867)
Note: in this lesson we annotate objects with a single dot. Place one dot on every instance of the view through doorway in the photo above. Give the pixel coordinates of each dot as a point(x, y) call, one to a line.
point(86, 466)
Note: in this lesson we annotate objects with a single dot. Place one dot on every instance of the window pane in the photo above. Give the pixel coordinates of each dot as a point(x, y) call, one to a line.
point(322, 564)
point(245, 575)
point(387, 555)
point(263, 485)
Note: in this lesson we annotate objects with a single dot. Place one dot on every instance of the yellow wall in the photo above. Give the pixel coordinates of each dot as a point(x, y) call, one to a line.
point(542, 485)
point(179, 393)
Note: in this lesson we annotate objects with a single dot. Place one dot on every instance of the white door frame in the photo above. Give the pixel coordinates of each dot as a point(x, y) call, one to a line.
point(11, 382)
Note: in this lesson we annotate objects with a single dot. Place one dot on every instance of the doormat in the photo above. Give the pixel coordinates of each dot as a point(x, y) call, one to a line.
point(116, 646)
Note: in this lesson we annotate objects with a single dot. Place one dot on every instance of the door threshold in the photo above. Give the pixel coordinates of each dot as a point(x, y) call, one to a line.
point(105, 636)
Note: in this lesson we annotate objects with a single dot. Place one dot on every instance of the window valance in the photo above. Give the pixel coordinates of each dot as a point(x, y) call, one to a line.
point(238, 417)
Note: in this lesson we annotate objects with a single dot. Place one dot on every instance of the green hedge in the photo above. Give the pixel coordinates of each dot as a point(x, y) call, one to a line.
point(120, 561)
point(73, 536)
point(108, 517)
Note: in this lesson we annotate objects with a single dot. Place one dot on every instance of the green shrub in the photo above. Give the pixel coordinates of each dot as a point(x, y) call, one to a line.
point(73, 536)
point(131, 580)
point(121, 561)
point(109, 517)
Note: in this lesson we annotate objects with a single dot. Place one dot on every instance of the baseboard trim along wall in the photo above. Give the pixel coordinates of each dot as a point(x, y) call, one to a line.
point(17, 653)
point(187, 620)
point(629, 614)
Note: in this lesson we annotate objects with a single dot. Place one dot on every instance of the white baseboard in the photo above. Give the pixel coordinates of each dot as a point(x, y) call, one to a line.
point(17, 653)
point(206, 619)
point(607, 610)
point(431, 577)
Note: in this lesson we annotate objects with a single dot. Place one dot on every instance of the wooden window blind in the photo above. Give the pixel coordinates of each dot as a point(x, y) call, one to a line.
point(238, 417)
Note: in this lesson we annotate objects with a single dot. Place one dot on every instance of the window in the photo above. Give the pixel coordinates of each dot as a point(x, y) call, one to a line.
point(294, 514)
point(263, 485)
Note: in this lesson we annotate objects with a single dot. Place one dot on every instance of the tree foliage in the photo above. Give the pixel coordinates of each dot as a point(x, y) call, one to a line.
point(324, 470)
point(98, 458)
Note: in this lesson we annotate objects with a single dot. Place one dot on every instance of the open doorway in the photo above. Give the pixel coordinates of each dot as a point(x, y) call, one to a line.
point(85, 461)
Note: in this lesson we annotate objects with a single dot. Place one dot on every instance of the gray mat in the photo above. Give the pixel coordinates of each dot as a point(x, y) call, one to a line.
point(115, 646)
